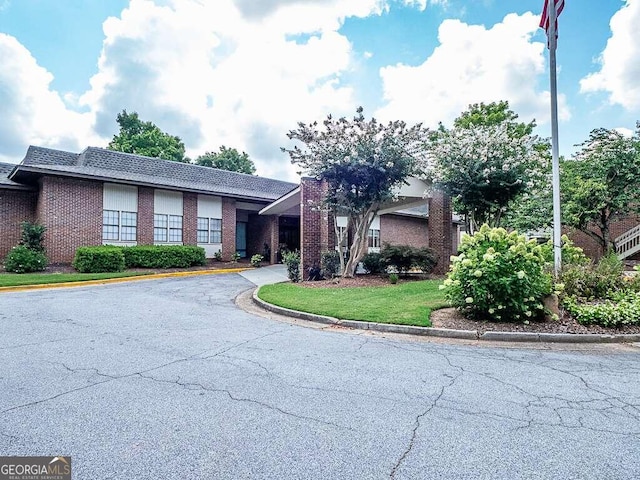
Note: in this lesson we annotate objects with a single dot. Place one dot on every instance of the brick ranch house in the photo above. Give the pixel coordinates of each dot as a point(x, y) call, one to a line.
point(101, 197)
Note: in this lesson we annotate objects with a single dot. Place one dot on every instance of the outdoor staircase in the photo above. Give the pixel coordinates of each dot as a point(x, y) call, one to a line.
point(628, 243)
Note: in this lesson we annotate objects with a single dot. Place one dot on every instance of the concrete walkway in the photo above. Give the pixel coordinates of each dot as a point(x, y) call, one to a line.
point(266, 275)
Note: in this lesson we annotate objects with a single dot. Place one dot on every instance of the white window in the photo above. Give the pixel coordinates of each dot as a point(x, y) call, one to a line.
point(374, 238)
point(167, 228)
point(209, 230)
point(119, 226)
point(167, 218)
point(119, 217)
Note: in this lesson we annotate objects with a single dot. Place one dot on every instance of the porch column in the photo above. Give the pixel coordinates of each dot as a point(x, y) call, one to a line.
point(440, 232)
point(274, 237)
point(314, 234)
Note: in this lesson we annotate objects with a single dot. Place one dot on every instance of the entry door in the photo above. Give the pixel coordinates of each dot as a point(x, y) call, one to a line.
point(241, 239)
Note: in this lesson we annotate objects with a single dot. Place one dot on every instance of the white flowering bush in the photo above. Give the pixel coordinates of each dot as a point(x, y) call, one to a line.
point(498, 276)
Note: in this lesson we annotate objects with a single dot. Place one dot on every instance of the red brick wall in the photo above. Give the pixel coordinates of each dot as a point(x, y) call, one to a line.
point(145, 215)
point(228, 228)
point(399, 230)
point(440, 231)
point(72, 212)
point(590, 246)
point(314, 236)
point(190, 218)
point(16, 206)
point(260, 230)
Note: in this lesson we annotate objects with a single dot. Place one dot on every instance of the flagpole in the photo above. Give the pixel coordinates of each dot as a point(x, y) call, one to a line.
point(557, 227)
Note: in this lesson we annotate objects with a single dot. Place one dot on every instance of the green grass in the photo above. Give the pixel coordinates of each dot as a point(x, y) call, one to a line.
point(22, 279)
point(408, 303)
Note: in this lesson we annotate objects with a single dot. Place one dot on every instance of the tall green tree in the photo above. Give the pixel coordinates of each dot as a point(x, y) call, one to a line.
point(362, 162)
point(145, 138)
point(600, 184)
point(228, 159)
point(486, 161)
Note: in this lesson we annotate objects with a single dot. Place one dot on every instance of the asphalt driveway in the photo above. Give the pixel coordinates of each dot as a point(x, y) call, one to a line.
point(170, 379)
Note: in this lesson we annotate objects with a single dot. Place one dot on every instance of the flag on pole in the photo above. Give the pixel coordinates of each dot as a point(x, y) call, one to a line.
point(544, 20)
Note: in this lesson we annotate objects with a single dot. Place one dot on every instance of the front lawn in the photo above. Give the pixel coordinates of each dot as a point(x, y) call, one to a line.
point(407, 303)
point(21, 279)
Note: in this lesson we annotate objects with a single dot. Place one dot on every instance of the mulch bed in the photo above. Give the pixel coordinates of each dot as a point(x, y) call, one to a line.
point(362, 281)
point(452, 318)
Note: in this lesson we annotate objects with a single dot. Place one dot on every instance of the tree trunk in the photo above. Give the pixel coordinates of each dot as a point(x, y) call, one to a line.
point(341, 239)
point(358, 248)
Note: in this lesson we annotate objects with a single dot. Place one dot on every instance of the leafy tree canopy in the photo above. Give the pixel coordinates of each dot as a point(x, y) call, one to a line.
point(362, 162)
point(228, 159)
point(486, 161)
point(600, 183)
point(145, 138)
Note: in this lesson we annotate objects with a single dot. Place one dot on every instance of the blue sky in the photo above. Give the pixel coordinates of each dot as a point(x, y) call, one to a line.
point(242, 73)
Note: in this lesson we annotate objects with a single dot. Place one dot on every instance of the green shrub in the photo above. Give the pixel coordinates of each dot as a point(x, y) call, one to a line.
point(330, 263)
point(163, 256)
point(99, 259)
point(24, 260)
point(373, 263)
point(398, 256)
point(292, 261)
point(218, 256)
point(425, 259)
point(498, 276)
point(393, 278)
point(256, 260)
point(622, 309)
point(32, 236)
point(571, 255)
point(405, 257)
point(235, 257)
point(594, 280)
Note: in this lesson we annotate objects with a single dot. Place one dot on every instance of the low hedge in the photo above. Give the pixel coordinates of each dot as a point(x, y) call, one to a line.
point(110, 258)
point(163, 256)
point(99, 259)
point(22, 259)
point(405, 257)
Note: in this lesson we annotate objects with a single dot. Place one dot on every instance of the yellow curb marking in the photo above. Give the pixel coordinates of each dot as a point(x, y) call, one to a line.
point(84, 283)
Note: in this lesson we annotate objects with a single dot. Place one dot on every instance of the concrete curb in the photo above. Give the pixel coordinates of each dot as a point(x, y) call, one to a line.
point(86, 283)
point(450, 333)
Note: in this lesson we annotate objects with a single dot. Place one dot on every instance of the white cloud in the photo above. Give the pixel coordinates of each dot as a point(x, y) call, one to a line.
point(226, 72)
point(472, 64)
point(619, 74)
point(216, 74)
point(32, 113)
point(422, 4)
point(627, 132)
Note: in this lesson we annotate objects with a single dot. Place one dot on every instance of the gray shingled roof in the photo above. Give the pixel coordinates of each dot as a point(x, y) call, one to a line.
point(5, 170)
point(106, 164)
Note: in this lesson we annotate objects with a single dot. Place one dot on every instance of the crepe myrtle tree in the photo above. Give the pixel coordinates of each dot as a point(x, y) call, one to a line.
point(486, 161)
point(363, 163)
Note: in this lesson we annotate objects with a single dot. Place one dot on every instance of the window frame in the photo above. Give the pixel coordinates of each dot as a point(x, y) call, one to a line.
point(120, 227)
point(165, 223)
point(373, 238)
point(213, 235)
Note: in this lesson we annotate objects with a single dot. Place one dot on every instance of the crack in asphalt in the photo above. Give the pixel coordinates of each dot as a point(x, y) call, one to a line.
point(191, 385)
point(111, 378)
point(416, 426)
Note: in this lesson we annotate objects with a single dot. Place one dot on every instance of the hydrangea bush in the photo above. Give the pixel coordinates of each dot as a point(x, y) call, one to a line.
point(498, 276)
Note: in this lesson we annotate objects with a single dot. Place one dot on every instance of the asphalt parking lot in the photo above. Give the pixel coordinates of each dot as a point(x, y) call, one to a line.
point(170, 379)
